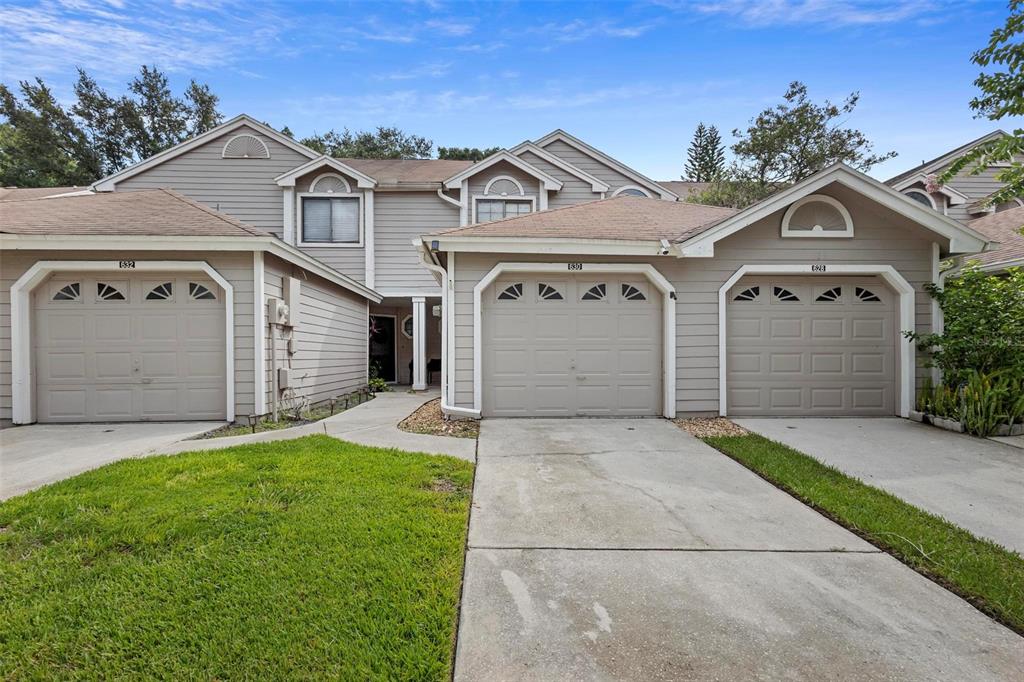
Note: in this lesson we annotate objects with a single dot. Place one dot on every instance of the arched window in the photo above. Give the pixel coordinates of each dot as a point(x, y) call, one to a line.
point(817, 215)
point(631, 191)
point(1007, 205)
point(920, 197)
point(245, 147)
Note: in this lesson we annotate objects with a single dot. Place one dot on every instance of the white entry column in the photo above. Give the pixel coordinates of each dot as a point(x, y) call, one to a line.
point(419, 343)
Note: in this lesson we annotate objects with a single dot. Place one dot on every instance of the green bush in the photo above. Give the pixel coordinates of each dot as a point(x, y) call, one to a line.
point(981, 403)
point(984, 325)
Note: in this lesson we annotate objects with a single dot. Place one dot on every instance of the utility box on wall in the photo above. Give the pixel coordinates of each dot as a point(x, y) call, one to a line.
point(292, 293)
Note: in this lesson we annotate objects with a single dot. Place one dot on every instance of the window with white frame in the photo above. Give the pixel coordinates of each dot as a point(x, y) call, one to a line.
point(817, 215)
point(330, 220)
point(496, 209)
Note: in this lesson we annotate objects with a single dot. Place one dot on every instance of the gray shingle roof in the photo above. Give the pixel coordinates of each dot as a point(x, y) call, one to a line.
point(1003, 227)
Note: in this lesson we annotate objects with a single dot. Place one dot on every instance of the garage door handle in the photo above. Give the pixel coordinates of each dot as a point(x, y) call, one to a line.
point(581, 378)
point(147, 381)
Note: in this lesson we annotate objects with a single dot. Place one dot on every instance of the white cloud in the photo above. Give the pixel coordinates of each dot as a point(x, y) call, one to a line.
point(787, 12)
point(480, 47)
point(581, 29)
point(432, 70)
point(450, 27)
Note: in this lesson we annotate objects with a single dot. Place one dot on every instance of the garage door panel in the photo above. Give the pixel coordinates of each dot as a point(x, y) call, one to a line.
point(833, 356)
point(509, 326)
point(102, 359)
point(599, 357)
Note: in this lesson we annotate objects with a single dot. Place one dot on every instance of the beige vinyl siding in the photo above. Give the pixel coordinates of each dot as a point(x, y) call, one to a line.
point(399, 218)
point(574, 191)
point(404, 352)
point(242, 188)
point(330, 339)
point(591, 165)
point(234, 267)
point(881, 237)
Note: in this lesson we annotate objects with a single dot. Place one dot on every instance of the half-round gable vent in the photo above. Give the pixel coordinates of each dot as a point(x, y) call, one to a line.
point(329, 183)
point(817, 215)
point(246, 147)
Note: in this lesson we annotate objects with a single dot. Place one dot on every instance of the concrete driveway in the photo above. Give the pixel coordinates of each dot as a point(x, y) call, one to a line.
point(32, 456)
point(975, 483)
point(626, 549)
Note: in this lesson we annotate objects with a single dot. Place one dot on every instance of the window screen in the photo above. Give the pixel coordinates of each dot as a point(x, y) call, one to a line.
point(331, 221)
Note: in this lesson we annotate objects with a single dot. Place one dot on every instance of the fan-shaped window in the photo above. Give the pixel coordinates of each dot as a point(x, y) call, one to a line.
point(920, 197)
point(749, 294)
point(598, 292)
point(513, 292)
point(1007, 205)
point(830, 295)
point(69, 292)
point(106, 291)
point(785, 295)
point(504, 185)
point(330, 184)
point(200, 292)
point(548, 292)
point(817, 215)
point(631, 293)
point(867, 295)
point(631, 192)
point(246, 147)
point(161, 292)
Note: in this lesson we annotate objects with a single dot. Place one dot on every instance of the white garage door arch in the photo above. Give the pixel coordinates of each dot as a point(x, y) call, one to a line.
point(888, 273)
point(23, 389)
point(658, 280)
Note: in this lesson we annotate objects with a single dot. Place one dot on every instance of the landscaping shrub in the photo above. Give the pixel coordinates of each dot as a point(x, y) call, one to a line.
point(981, 403)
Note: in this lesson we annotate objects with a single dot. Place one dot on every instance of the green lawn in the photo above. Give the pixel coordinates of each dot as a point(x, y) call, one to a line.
point(310, 558)
point(984, 573)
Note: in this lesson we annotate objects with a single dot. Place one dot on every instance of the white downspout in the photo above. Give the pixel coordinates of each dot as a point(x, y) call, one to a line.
point(442, 276)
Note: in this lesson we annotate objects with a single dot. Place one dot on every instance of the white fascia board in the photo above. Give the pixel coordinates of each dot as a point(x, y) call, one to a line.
point(596, 184)
point(596, 154)
point(956, 198)
point(108, 183)
point(550, 183)
point(266, 244)
point(583, 247)
point(962, 239)
point(288, 179)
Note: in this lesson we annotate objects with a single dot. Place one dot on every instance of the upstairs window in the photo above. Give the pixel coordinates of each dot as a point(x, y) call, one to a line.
point(330, 221)
point(496, 209)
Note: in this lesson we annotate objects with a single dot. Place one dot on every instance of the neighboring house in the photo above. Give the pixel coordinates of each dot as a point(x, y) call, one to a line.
point(685, 189)
point(964, 197)
point(9, 193)
point(631, 307)
point(140, 306)
point(1003, 229)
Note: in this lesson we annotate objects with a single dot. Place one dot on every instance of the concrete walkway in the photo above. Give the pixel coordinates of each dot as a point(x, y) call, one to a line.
point(975, 483)
point(32, 456)
point(626, 549)
point(373, 423)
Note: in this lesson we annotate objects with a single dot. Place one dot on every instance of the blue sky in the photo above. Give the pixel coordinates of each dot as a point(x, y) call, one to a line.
point(632, 78)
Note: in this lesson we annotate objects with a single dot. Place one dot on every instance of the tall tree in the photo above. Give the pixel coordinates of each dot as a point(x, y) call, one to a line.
point(789, 142)
point(384, 143)
point(465, 153)
point(1002, 94)
point(705, 158)
point(99, 134)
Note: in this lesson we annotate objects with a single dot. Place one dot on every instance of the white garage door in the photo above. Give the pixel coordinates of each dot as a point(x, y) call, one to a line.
point(129, 348)
point(811, 346)
point(571, 346)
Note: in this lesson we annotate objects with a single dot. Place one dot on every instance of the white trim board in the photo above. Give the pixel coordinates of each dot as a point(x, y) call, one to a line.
point(300, 198)
point(583, 247)
point(962, 239)
point(907, 318)
point(936, 163)
point(955, 197)
point(108, 183)
point(23, 381)
point(668, 294)
point(596, 154)
point(259, 309)
point(596, 184)
point(548, 182)
point(363, 181)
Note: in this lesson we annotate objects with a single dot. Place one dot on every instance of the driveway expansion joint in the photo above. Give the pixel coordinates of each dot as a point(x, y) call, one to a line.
point(708, 550)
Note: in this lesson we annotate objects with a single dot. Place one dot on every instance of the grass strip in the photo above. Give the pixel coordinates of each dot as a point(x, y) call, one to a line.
point(302, 559)
point(984, 573)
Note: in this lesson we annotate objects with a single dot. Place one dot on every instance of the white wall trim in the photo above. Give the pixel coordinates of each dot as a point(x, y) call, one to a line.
point(638, 188)
point(546, 180)
point(358, 196)
point(955, 197)
point(926, 195)
point(817, 230)
point(288, 178)
point(368, 238)
point(544, 245)
point(649, 271)
point(23, 381)
point(419, 343)
point(498, 197)
point(888, 273)
point(596, 184)
point(289, 214)
point(498, 178)
point(259, 311)
point(339, 176)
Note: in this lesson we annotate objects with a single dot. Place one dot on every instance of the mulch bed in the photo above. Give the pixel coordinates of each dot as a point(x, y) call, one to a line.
point(429, 419)
point(710, 427)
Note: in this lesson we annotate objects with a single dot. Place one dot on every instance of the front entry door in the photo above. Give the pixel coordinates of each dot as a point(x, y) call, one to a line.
point(382, 348)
